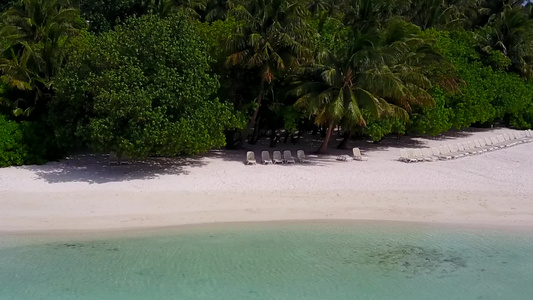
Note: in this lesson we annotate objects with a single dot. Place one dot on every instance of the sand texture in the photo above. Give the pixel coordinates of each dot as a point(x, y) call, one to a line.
point(85, 193)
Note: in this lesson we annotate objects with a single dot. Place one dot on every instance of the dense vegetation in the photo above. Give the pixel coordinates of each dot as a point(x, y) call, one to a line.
point(172, 77)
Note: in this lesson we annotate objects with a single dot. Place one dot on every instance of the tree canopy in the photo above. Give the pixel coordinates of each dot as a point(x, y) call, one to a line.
point(179, 77)
point(133, 91)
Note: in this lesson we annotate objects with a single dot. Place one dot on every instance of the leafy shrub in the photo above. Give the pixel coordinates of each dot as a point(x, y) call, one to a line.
point(143, 89)
point(12, 148)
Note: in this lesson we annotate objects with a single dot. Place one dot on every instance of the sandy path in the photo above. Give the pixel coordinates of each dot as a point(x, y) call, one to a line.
point(84, 193)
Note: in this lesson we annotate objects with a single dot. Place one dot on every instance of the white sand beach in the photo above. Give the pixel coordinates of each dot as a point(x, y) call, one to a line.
point(85, 193)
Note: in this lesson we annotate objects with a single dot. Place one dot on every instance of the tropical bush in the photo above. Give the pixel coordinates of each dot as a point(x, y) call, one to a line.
point(142, 89)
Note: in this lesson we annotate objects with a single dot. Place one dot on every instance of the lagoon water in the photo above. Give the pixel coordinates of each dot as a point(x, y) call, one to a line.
point(301, 260)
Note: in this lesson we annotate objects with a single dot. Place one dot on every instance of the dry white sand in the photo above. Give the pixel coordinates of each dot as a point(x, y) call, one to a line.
point(85, 193)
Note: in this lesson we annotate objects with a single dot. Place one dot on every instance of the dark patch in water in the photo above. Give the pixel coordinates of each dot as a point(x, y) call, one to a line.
point(415, 260)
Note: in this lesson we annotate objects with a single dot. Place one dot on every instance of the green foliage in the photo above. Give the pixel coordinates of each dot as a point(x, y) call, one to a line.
point(376, 130)
point(143, 89)
point(488, 94)
point(433, 120)
point(12, 148)
point(25, 143)
point(215, 36)
point(35, 33)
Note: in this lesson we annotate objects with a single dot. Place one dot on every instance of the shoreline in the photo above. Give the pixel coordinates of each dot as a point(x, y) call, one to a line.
point(139, 211)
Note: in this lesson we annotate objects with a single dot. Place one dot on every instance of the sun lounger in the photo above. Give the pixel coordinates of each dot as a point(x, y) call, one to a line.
point(519, 137)
point(265, 158)
point(483, 145)
point(478, 147)
point(250, 158)
point(124, 160)
point(428, 156)
point(461, 148)
point(501, 141)
point(495, 143)
point(529, 135)
point(511, 140)
point(445, 151)
point(473, 148)
point(453, 151)
point(405, 157)
point(287, 157)
point(276, 157)
point(357, 155)
point(300, 155)
point(490, 147)
point(417, 154)
point(343, 158)
point(113, 160)
point(437, 153)
point(411, 155)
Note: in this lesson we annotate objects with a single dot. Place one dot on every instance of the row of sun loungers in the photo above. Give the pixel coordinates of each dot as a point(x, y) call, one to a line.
point(464, 149)
point(288, 159)
point(276, 157)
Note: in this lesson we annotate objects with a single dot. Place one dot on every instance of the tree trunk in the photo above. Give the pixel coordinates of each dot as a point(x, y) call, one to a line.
point(253, 119)
point(344, 142)
point(273, 137)
point(324, 148)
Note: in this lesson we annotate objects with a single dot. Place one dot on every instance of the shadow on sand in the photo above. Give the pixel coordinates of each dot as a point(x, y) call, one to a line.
point(93, 168)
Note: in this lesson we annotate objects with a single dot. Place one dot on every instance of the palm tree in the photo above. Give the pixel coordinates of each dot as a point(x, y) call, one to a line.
point(380, 72)
point(269, 42)
point(442, 13)
point(218, 9)
point(165, 7)
point(364, 15)
point(36, 34)
point(511, 32)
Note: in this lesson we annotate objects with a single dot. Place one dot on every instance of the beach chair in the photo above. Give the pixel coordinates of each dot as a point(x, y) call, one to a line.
point(300, 155)
point(519, 137)
point(473, 147)
point(343, 158)
point(250, 158)
point(411, 155)
point(405, 157)
point(428, 156)
point(506, 136)
point(113, 159)
point(509, 139)
point(478, 147)
point(124, 160)
point(436, 152)
point(483, 144)
point(529, 136)
point(445, 152)
point(490, 147)
point(454, 152)
point(418, 155)
point(495, 144)
point(276, 157)
point(466, 150)
point(287, 157)
point(501, 141)
point(265, 158)
point(357, 155)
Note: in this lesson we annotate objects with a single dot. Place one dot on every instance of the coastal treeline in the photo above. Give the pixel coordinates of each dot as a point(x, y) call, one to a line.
point(171, 77)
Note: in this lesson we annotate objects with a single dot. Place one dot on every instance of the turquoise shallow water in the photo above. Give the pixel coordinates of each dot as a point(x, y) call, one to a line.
point(272, 261)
